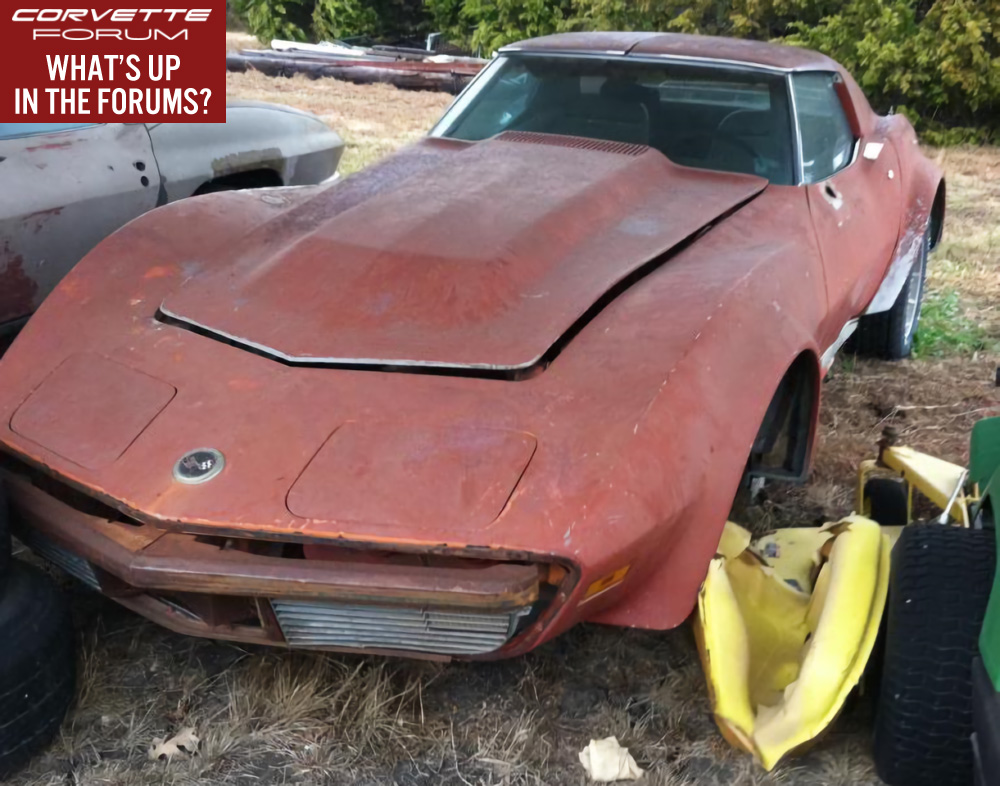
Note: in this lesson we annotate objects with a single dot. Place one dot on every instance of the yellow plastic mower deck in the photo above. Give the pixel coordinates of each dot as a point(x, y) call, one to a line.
point(785, 627)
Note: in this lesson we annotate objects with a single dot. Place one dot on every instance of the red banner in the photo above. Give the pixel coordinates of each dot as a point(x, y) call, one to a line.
point(97, 61)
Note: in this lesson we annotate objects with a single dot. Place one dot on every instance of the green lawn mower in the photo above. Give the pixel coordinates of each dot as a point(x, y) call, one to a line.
point(938, 718)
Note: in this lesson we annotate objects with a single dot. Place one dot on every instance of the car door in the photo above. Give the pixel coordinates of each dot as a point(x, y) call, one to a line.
point(63, 188)
point(854, 197)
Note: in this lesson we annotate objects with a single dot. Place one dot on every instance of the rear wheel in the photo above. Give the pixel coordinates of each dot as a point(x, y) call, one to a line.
point(889, 335)
point(941, 580)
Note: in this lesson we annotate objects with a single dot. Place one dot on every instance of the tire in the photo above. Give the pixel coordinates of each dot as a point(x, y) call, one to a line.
point(889, 335)
point(37, 665)
point(4, 538)
point(888, 502)
point(941, 581)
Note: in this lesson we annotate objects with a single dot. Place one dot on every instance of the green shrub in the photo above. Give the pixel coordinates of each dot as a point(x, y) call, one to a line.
point(486, 25)
point(269, 19)
point(335, 19)
point(324, 20)
point(936, 60)
point(944, 67)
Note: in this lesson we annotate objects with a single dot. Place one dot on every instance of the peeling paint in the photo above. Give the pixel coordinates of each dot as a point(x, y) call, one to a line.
point(246, 161)
point(17, 289)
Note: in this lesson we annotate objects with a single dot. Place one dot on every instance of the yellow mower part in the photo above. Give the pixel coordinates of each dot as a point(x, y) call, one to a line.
point(785, 629)
point(935, 478)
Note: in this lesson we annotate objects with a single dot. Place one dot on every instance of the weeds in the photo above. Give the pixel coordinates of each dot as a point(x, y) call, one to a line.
point(946, 329)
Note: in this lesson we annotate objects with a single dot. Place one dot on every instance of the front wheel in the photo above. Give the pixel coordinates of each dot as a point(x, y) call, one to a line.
point(37, 664)
point(889, 335)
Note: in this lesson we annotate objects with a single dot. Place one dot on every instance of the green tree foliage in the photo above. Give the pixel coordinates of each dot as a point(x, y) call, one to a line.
point(941, 68)
point(489, 24)
point(269, 19)
point(938, 61)
point(324, 20)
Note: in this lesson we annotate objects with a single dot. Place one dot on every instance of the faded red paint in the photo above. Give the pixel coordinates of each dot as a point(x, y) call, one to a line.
point(623, 449)
point(498, 295)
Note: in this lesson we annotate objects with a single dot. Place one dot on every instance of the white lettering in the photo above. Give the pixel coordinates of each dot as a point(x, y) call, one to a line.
point(134, 75)
point(111, 14)
point(57, 67)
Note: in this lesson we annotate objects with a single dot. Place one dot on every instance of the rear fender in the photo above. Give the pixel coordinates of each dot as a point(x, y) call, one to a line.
point(923, 195)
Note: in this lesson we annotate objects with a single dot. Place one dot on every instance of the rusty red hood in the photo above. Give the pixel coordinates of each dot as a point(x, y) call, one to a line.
point(486, 260)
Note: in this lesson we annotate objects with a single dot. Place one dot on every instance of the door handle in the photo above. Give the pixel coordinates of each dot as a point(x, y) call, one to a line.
point(831, 195)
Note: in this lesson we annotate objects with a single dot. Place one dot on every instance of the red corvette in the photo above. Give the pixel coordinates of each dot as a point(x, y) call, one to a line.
point(506, 380)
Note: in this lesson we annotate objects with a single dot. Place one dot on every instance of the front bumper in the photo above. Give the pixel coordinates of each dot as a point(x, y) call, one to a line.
point(274, 593)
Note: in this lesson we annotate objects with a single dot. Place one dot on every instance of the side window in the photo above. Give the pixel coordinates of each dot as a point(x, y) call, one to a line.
point(827, 141)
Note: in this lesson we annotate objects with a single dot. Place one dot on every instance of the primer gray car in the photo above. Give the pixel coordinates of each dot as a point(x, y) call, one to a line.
point(65, 187)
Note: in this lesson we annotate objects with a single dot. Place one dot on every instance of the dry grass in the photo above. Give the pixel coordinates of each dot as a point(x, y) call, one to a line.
point(374, 120)
point(239, 40)
point(268, 717)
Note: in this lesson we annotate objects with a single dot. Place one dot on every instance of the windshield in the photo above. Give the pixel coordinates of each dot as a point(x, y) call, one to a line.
point(731, 120)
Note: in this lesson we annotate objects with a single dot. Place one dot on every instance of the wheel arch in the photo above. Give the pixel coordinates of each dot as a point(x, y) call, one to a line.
point(793, 409)
point(665, 596)
point(936, 226)
point(263, 177)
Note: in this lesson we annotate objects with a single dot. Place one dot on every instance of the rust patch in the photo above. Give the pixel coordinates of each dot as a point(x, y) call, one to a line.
point(41, 217)
point(270, 158)
point(50, 146)
point(17, 288)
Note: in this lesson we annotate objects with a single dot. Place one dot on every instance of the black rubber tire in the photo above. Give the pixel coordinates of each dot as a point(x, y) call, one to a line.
point(37, 664)
point(941, 581)
point(4, 537)
point(889, 335)
point(887, 502)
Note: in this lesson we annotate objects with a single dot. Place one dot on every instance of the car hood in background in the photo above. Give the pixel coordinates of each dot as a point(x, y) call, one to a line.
point(487, 260)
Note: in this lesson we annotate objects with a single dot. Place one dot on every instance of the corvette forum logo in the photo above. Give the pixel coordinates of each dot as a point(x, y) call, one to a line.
point(108, 63)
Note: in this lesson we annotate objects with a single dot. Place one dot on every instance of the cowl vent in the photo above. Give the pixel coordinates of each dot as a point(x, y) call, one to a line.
point(577, 142)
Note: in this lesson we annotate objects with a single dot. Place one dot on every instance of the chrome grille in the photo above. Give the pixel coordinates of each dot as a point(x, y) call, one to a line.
point(74, 565)
point(329, 624)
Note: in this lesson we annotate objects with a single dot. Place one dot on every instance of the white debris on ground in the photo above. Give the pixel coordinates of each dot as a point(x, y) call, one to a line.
point(605, 761)
point(184, 743)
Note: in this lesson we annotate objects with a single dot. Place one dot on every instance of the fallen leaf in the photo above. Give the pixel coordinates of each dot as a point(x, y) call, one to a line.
point(185, 742)
point(605, 761)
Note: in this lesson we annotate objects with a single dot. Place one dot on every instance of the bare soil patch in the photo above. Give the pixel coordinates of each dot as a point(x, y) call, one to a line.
point(269, 717)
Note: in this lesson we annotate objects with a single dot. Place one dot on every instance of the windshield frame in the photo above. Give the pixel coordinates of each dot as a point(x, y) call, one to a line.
point(464, 99)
